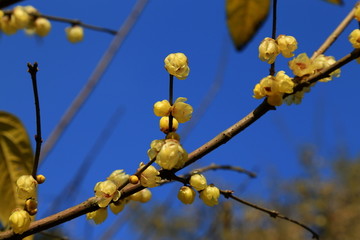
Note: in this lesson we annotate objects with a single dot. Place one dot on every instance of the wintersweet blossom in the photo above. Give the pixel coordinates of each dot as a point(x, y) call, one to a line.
point(186, 195)
point(117, 207)
point(74, 34)
point(42, 26)
point(155, 148)
point(268, 50)
point(143, 196)
point(301, 65)
point(164, 125)
point(26, 187)
point(22, 18)
point(321, 62)
point(297, 97)
point(180, 110)
point(177, 64)
point(172, 155)
point(150, 177)
point(107, 191)
point(162, 108)
point(19, 221)
point(198, 181)
point(354, 38)
point(287, 45)
point(210, 195)
point(98, 216)
point(119, 177)
point(357, 12)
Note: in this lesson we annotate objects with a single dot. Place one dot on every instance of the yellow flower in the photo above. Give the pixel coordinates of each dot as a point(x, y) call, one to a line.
point(268, 50)
point(74, 34)
point(19, 221)
point(210, 195)
point(171, 155)
point(97, 216)
point(354, 38)
point(118, 177)
point(164, 125)
point(301, 65)
point(162, 108)
point(285, 83)
point(177, 64)
point(297, 97)
point(181, 110)
point(155, 148)
point(117, 206)
point(186, 195)
point(150, 177)
point(321, 62)
point(107, 191)
point(142, 196)
point(287, 44)
point(26, 187)
point(8, 24)
point(198, 181)
point(22, 18)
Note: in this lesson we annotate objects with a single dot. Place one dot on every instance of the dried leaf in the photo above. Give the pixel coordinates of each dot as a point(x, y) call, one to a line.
point(244, 17)
point(16, 159)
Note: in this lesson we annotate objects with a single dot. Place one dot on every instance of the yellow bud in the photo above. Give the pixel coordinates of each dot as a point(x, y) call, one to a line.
point(8, 25)
point(186, 195)
point(74, 34)
point(210, 195)
point(287, 44)
point(42, 26)
point(150, 177)
point(268, 50)
point(164, 125)
point(177, 64)
point(40, 179)
point(22, 18)
point(26, 187)
point(162, 108)
point(173, 135)
point(30, 204)
point(357, 12)
point(19, 221)
point(97, 216)
point(171, 155)
point(198, 181)
point(117, 206)
point(133, 179)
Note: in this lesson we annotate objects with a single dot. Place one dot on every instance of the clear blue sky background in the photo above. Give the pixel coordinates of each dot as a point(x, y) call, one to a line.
point(136, 79)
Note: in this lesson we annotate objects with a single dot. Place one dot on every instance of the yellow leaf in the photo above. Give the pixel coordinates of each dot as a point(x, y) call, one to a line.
point(244, 17)
point(16, 159)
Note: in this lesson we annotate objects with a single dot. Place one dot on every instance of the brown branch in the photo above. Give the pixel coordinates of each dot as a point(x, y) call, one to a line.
point(272, 213)
point(33, 69)
point(94, 78)
point(335, 34)
point(223, 167)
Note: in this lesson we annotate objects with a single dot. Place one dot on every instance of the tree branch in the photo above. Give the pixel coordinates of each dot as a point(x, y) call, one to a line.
point(223, 167)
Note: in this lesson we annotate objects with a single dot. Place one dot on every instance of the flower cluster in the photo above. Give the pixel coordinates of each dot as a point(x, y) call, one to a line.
point(26, 187)
point(109, 195)
point(30, 20)
point(209, 194)
point(270, 48)
point(274, 87)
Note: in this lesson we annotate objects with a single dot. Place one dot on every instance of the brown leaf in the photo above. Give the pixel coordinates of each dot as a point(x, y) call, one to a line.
point(244, 17)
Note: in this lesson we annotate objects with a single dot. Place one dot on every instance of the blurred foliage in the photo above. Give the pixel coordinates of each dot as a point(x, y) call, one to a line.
point(325, 197)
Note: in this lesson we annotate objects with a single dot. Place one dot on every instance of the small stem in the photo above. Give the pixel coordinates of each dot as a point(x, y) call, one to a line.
point(273, 34)
point(32, 69)
point(171, 92)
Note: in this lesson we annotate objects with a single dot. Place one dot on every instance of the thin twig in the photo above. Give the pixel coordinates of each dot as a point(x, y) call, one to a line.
point(94, 78)
point(273, 34)
point(33, 69)
point(272, 213)
point(223, 167)
point(335, 34)
point(171, 100)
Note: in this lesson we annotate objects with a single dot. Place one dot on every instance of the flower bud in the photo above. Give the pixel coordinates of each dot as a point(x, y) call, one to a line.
point(74, 34)
point(19, 221)
point(287, 44)
point(133, 179)
point(30, 204)
point(150, 177)
point(117, 207)
point(8, 24)
point(210, 195)
point(155, 147)
point(198, 181)
point(164, 125)
point(181, 110)
point(119, 177)
point(97, 216)
point(143, 195)
point(107, 191)
point(173, 135)
point(42, 26)
point(357, 12)
point(268, 50)
point(22, 18)
point(186, 195)
point(177, 64)
point(40, 179)
point(162, 108)
point(26, 187)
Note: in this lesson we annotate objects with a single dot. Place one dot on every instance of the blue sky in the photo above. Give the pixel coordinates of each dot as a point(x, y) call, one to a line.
point(136, 79)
